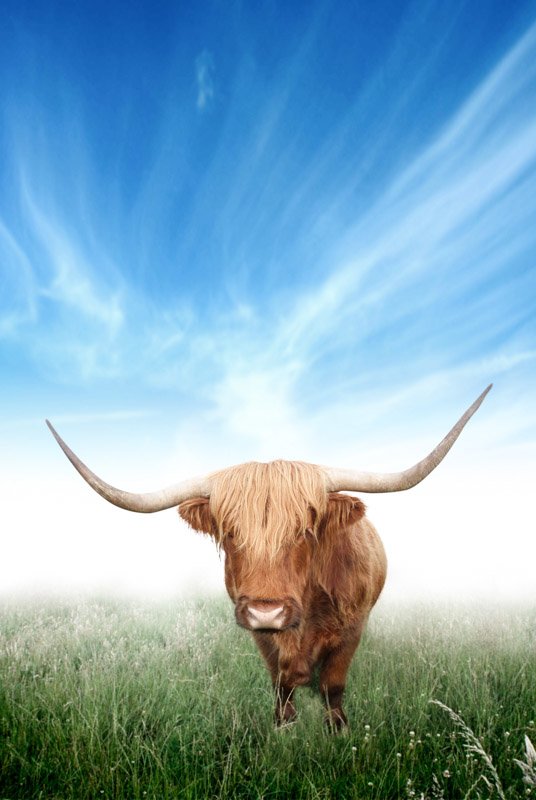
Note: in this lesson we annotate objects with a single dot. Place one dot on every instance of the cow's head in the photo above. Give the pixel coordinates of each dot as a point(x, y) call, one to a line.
point(275, 524)
point(266, 519)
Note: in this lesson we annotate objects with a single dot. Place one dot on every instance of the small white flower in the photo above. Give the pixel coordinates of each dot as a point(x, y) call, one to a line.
point(446, 773)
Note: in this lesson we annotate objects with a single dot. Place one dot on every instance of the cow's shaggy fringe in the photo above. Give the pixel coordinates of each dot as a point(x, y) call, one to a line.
point(256, 501)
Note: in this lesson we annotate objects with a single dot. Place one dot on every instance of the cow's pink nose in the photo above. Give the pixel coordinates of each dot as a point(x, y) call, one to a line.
point(265, 618)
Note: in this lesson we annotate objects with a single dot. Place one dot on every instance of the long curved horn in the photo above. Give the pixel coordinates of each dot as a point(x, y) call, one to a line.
point(349, 480)
point(145, 503)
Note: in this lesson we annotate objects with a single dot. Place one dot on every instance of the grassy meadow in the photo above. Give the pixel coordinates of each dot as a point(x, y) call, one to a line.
point(110, 699)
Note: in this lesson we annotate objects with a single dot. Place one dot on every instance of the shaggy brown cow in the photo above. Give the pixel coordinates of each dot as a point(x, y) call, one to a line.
point(303, 564)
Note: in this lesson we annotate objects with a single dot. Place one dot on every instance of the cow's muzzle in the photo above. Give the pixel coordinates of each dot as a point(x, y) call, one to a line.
point(273, 615)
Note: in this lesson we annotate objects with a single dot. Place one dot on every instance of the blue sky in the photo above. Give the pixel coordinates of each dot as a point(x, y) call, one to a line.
point(248, 230)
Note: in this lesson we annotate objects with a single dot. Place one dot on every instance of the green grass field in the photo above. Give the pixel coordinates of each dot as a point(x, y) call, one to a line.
point(103, 699)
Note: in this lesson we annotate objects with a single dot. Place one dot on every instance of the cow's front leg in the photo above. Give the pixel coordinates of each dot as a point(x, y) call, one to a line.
point(285, 711)
point(333, 679)
point(335, 718)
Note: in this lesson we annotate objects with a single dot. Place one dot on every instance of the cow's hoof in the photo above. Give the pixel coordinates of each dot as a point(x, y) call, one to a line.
point(336, 721)
point(286, 717)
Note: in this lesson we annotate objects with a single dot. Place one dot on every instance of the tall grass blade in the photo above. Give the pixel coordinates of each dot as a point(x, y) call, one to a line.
point(473, 745)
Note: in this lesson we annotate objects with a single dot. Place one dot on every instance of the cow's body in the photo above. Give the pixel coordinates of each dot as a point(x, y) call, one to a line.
point(306, 602)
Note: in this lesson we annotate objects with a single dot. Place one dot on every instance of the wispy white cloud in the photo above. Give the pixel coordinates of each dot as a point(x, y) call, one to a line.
point(204, 75)
point(63, 299)
point(17, 285)
point(256, 405)
point(491, 114)
point(72, 281)
point(440, 215)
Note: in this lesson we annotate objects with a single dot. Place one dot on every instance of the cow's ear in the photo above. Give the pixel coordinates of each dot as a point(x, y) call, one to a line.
point(196, 512)
point(343, 510)
point(341, 556)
